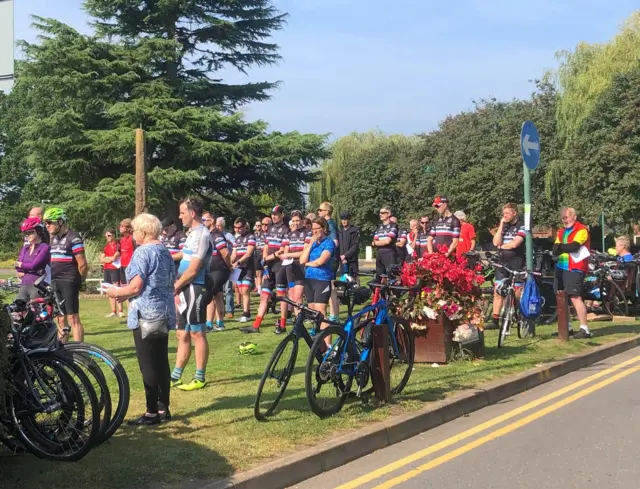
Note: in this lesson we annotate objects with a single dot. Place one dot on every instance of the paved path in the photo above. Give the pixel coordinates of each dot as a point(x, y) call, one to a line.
point(581, 432)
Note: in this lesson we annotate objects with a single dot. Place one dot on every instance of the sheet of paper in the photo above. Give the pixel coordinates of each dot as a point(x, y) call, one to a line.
point(581, 254)
point(116, 263)
point(409, 249)
point(182, 303)
point(106, 286)
point(286, 262)
point(235, 275)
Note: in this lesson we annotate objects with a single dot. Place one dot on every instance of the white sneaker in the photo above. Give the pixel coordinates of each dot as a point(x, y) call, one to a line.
point(121, 314)
point(112, 315)
point(243, 319)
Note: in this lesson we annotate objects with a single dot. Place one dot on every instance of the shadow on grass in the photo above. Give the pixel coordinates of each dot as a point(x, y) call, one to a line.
point(616, 329)
point(135, 457)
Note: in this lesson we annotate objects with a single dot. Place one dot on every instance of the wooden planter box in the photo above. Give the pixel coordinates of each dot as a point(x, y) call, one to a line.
point(435, 344)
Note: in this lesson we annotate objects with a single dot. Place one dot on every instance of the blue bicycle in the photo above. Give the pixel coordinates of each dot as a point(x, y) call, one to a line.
point(333, 370)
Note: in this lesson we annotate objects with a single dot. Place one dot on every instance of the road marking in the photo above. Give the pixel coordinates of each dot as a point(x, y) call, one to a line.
point(503, 431)
point(479, 428)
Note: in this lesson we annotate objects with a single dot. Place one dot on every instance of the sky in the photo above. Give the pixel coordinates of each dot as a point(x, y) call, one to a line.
point(400, 67)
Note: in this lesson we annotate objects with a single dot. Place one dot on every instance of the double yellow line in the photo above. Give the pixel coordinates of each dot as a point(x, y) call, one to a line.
point(489, 424)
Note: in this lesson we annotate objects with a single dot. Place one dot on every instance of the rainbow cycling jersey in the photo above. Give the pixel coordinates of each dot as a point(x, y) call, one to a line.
point(217, 242)
point(387, 231)
point(64, 249)
point(445, 230)
point(241, 246)
point(296, 240)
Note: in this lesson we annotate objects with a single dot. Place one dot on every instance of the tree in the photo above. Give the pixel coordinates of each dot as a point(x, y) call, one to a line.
point(210, 34)
point(81, 98)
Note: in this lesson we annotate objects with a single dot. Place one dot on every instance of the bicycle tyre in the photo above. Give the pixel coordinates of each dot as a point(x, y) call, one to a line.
point(258, 412)
point(409, 341)
point(618, 295)
point(312, 373)
point(124, 395)
point(31, 437)
point(505, 319)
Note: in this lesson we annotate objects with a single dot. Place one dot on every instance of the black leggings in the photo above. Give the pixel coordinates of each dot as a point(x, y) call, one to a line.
point(153, 358)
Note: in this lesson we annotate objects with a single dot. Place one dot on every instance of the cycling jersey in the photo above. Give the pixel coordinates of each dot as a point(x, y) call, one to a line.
point(64, 249)
point(274, 237)
point(402, 252)
point(217, 242)
point(387, 231)
point(242, 246)
point(175, 242)
point(445, 230)
point(196, 246)
point(296, 240)
point(421, 243)
point(511, 231)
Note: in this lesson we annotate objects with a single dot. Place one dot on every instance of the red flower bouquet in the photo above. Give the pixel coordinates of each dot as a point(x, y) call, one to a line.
point(448, 286)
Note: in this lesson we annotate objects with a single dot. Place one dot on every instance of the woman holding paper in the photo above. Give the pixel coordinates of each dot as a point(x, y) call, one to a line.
point(151, 275)
point(110, 259)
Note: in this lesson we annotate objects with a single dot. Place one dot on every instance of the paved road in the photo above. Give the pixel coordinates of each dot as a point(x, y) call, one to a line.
point(583, 433)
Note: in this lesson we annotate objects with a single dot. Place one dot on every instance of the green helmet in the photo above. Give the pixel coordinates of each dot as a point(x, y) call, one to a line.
point(247, 348)
point(54, 214)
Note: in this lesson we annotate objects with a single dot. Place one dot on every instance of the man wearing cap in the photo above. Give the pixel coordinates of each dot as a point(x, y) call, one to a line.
point(348, 245)
point(467, 241)
point(172, 239)
point(273, 278)
point(445, 233)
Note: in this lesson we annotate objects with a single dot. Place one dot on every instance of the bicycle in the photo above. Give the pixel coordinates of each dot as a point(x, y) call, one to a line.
point(510, 310)
point(264, 408)
point(349, 358)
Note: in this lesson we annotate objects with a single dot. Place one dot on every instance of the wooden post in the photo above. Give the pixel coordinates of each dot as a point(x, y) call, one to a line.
point(562, 305)
point(381, 371)
point(141, 173)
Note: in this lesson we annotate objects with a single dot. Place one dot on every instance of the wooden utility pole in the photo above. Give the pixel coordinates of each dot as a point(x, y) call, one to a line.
point(141, 173)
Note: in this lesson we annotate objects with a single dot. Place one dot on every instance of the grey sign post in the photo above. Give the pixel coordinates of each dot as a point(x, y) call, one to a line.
point(6, 45)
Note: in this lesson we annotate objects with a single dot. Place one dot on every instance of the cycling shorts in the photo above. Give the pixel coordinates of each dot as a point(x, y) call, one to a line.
point(571, 281)
point(317, 291)
point(385, 260)
point(276, 279)
point(295, 274)
point(216, 279)
point(516, 263)
point(69, 292)
point(194, 317)
point(246, 278)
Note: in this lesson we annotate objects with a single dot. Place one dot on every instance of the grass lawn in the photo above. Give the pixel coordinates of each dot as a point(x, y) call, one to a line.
point(214, 433)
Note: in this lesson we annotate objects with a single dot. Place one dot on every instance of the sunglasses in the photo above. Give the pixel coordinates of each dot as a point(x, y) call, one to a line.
point(265, 224)
point(424, 222)
point(50, 223)
point(384, 212)
point(238, 227)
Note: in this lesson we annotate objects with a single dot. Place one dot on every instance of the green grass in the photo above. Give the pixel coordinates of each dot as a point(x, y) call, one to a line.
point(214, 433)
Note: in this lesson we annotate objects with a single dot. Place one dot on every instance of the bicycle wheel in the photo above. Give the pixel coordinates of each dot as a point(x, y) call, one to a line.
point(58, 420)
point(506, 315)
point(116, 376)
point(274, 380)
point(400, 360)
point(613, 299)
point(321, 373)
point(526, 327)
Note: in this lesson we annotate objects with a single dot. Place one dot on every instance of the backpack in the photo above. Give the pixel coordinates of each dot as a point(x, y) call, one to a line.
point(530, 301)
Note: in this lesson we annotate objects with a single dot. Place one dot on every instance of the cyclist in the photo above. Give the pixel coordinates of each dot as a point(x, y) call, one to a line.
point(192, 296)
point(572, 249)
point(293, 245)
point(34, 258)
point(509, 239)
point(217, 275)
point(242, 258)
point(265, 222)
point(401, 242)
point(385, 242)
point(273, 277)
point(422, 239)
point(623, 249)
point(69, 268)
point(446, 230)
point(173, 239)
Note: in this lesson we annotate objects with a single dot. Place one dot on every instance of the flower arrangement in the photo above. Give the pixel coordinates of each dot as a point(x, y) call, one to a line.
point(448, 286)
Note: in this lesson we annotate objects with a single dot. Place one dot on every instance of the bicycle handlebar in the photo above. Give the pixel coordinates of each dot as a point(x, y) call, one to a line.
point(518, 273)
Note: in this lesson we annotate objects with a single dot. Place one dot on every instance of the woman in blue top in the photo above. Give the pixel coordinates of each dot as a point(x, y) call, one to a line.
point(318, 273)
point(150, 290)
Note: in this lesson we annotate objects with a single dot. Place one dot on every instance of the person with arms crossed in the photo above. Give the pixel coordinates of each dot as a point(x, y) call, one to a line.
point(572, 249)
point(293, 246)
point(110, 254)
point(33, 259)
point(385, 243)
point(509, 239)
point(191, 294)
point(242, 258)
point(69, 268)
point(217, 277)
point(467, 235)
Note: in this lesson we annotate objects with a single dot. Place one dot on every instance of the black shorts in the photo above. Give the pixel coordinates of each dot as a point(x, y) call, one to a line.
point(257, 260)
point(385, 260)
point(216, 279)
point(194, 317)
point(317, 291)
point(516, 264)
point(111, 276)
point(295, 274)
point(123, 276)
point(571, 282)
point(246, 278)
point(69, 292)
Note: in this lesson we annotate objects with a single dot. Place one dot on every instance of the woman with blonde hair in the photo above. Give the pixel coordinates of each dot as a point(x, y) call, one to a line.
point(150, 292)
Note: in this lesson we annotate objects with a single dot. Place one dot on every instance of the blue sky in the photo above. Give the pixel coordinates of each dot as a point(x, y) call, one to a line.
point(401, 67)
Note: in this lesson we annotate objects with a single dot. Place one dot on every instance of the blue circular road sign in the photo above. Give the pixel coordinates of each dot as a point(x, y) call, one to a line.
point(530, 145)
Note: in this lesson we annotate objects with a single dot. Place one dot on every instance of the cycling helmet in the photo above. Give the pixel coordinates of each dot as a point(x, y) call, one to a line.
point(501, 287)
point(55, 214)
point(30, 224)
point(247, 348)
